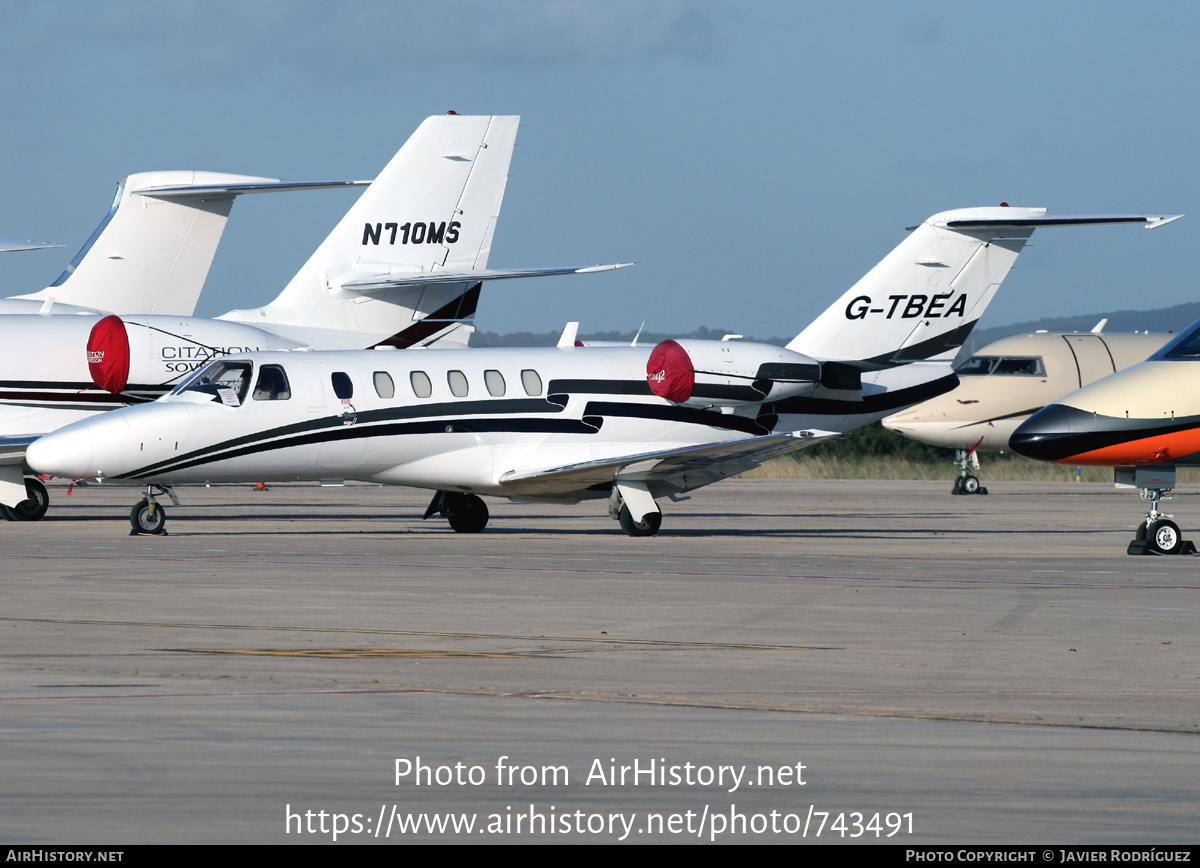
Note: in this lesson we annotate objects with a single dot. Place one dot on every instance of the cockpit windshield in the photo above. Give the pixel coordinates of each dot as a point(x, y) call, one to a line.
point(225, 381)
point(1186, 346)
point(1011, 366)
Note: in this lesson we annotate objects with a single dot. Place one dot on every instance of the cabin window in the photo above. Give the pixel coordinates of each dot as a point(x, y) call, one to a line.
point(532, 382)
point(384, 387)
point(226, 382)
point(342, 387)
point(421, 385)
point(272, 384)
point(494, 380)
point(458, 383)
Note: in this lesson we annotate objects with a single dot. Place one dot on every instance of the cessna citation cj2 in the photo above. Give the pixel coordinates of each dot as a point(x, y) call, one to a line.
point(403, 268)
point(1143, 422)
point(568, 423)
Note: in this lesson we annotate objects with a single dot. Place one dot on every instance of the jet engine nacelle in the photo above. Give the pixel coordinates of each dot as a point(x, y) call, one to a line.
point(149, 354)
point(729, 373)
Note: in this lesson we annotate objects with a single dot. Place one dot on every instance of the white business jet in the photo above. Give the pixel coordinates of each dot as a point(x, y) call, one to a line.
point(568, 423)
point(403, 268)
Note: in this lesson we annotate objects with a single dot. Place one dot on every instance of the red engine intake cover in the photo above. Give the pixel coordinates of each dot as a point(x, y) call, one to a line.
point(108, 354)
point(669, 372)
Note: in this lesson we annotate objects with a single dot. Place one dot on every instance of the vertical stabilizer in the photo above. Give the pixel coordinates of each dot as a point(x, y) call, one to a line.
point(152, 252)
point(923, 299)
point(432, 208)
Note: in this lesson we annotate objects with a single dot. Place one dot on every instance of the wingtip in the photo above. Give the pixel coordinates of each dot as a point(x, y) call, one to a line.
point(1155, 222)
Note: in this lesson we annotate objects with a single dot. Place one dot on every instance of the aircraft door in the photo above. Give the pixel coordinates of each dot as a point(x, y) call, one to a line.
point(341, 450)
point(1091, 357)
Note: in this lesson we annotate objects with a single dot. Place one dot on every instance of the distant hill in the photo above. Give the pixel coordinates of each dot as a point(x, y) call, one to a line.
point(1165, 319)
point(646, 339)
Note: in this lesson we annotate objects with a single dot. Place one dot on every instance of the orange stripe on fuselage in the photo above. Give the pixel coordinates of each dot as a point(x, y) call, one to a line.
point(1148, 450)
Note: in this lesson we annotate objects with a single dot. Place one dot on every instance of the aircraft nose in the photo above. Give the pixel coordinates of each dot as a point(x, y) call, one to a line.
point(1054, 433)
point(66, 453)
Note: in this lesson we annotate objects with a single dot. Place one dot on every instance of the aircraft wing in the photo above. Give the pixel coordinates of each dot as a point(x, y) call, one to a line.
point(366, 284)
point(672, 469)
point(12, 449)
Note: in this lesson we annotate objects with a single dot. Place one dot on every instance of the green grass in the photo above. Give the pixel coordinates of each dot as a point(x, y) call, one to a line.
point(874, 452)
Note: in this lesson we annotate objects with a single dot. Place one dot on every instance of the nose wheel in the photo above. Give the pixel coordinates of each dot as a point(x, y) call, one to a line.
point(968, 466)
point(1158, 535)
point(147, 516)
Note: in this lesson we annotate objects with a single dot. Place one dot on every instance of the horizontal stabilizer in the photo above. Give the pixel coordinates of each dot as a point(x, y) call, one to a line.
point(7, 245)
point(264, 185)
point(368, 283)
point(1151, 221)
point(718, 459)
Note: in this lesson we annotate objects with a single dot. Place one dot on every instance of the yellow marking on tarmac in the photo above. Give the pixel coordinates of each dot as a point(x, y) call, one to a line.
point(606, 640)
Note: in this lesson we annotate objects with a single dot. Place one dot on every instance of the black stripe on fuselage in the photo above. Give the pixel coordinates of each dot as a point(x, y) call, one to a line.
point(599, 387)
point(451, 417)
point(369, 418)
point(672, 413)
point(1015, 415)
point(883, 402)
point(383, 429)
point(72, 395)
point(926, 349)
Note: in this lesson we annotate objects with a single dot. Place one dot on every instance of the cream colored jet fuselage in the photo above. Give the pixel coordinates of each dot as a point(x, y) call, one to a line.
point(1007, 381)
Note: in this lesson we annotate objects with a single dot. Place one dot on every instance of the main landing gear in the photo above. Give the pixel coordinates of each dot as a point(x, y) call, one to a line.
point(628, 501)
point(1158, 535)
point(968, 466)
point(147, 516)
point(467, 513)
point(33, 507)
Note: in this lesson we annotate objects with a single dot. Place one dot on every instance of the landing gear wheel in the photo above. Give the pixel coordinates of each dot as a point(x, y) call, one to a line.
point(1163, 537)
point(969, 485)
point(648, 526)
point(1141, 532)
point(33, 507)
point(148, 518)
point(467, 514)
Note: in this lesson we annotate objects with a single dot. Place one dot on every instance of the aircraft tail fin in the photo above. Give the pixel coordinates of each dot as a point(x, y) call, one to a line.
point(433, 208)
point(152, 251)
point(922, 300)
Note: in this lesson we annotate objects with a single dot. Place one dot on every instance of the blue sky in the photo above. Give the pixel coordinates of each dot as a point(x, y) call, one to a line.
point(754, 159)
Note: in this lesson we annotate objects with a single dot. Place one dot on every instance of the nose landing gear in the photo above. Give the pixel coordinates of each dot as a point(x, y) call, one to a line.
point(1158, 535)
point(147, 517)
point(968, 466)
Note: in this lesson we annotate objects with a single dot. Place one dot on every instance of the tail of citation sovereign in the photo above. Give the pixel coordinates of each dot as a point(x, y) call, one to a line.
point(888, 342)
point(404, 265)
point(151, 253)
